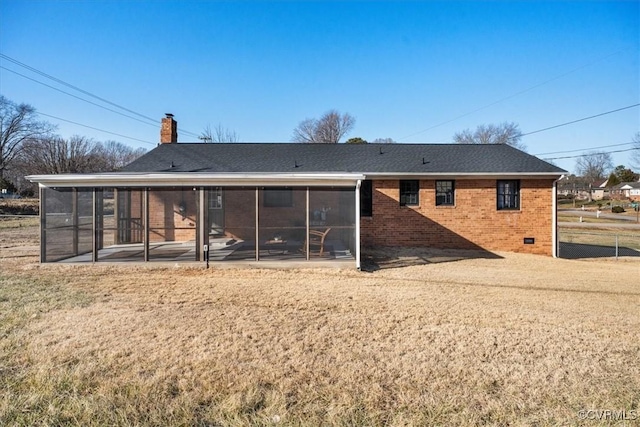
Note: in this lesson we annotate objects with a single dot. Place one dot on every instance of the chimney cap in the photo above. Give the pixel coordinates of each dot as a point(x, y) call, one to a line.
point(169, 115)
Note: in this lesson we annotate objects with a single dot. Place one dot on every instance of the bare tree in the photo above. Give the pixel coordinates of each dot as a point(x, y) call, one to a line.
point(328, 129)
point(505, 133)
point(18, 123)
point(111, 156)
point(218, 134)
point(78, 154)
point(383, 141)
point(635, 154)
point(594, 166)
point(306, 131)
point(55, 155)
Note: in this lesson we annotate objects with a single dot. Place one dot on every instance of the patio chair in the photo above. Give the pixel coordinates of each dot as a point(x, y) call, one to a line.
point(316, 241)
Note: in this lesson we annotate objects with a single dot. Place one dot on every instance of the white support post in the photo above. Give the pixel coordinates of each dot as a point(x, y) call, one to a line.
point(554, 220)
point(357, 209)
point(307, 228)
point(202, 224)
point(43, 224)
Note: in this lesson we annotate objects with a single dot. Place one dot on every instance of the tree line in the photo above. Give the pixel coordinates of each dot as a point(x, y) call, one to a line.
point(29, 146)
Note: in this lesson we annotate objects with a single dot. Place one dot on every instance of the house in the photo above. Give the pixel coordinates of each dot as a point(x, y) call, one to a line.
point(307, 202)
point(573, 187)
point(600, 190)
point(626, 191)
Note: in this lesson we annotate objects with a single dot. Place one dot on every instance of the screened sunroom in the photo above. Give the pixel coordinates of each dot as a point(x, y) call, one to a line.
point(191, 217)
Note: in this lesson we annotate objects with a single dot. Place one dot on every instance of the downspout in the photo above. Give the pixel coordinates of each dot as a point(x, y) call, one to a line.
point(358, 184)
point(554, 219)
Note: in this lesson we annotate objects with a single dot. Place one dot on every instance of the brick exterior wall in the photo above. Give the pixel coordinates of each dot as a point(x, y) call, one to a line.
point(473, 223)
point(167, 222)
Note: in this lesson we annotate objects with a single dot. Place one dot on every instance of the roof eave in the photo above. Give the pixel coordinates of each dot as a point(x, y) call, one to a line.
point(464, 175)
point(158, 179)
point(138, 179)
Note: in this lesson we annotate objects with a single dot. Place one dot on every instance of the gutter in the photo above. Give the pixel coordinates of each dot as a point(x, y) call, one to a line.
point(172, 179)
point(466, 175)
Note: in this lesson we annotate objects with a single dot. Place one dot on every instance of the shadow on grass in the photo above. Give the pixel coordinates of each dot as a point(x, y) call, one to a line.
point(581, 250)
point(398, 257)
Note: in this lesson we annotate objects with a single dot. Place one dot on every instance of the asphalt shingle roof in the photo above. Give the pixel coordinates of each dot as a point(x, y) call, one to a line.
point(633, 185)
point(356, 158)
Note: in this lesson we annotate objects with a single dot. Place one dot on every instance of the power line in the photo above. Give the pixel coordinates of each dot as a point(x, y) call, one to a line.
point(195, 135)
point(77, 97)
point(576, 121)
point(583, 149)
point(514, 95)
point(588, 154)
point(69, 85)
point(94, 128)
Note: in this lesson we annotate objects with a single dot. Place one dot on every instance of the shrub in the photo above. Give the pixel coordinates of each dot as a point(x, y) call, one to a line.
point(5, 184)
point(617, 209)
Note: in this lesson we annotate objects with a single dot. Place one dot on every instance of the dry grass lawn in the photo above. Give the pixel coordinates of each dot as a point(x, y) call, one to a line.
point(513, 340)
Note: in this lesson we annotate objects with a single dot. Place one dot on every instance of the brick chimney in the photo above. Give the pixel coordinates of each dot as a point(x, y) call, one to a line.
point(169, 130)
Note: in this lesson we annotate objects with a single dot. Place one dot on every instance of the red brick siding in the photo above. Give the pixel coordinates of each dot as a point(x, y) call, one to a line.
point(473, 223)
point(240, 213)
point(166, 222)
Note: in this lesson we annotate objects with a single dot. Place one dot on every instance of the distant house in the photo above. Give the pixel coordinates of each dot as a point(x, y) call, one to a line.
point(299, 202)
point(599, 190)
point(626, 190)
point(574, 187)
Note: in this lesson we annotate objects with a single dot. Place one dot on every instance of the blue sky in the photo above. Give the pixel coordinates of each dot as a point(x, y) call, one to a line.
point(412, 71)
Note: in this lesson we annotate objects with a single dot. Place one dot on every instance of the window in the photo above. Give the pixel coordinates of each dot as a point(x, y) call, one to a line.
point(366, 198)
point(445, 193)
point(278, 197)
point(508, 195)
point(215, 198)
point(409, 192)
